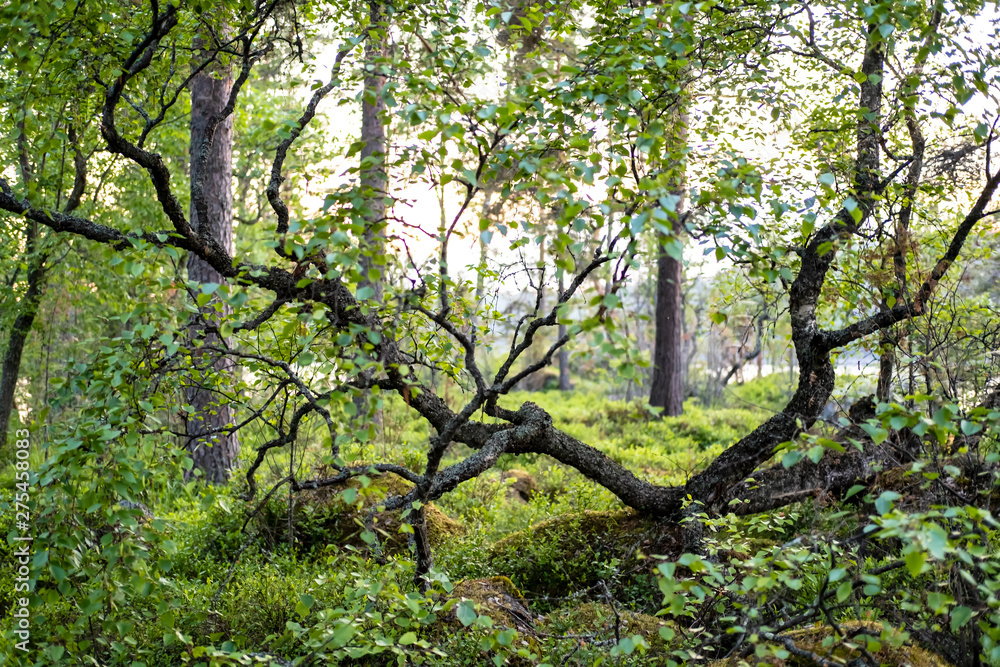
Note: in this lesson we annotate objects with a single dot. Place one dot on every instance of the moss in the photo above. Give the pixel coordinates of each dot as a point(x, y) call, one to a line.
point(498, 598)
point(895, 653)
point(574, 551)
point(323, 518)
point(440, 526)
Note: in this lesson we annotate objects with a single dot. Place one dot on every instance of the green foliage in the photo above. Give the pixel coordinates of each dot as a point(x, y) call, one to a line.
point(572, 126)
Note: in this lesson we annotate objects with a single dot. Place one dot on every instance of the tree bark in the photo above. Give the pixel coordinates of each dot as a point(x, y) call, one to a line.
point(529, 429)
point(212, 447)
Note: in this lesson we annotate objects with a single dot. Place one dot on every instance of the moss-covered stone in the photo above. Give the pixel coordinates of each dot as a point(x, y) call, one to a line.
point(322, 517)
point(920, 492)
point(498, 598)
point(845, 650)
point(600, 619)
point(574, 551)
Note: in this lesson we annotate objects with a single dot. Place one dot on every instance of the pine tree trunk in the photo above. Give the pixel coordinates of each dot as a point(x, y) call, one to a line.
point(213, 449)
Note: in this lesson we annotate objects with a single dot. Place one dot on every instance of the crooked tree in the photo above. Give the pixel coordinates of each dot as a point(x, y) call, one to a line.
point(607, 90)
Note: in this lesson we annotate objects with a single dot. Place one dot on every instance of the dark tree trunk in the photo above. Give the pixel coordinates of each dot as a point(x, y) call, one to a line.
point(668, 352)
point(37, 260)
point(212, 447)
point(20, 330)
point(422, 549)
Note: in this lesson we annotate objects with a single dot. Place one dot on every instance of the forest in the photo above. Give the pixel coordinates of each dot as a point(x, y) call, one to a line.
point(500, 332)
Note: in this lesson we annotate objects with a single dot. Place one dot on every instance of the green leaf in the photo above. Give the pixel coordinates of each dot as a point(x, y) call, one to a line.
point(408, 638)
point(936, 602)
point(883, 505)
point(466, 612)
point(915, 561)
point(970, 428)
point(854, 490)
point(791, 458)
point(959, 617)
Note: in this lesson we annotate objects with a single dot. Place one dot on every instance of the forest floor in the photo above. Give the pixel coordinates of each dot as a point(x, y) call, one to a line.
point(558, 571)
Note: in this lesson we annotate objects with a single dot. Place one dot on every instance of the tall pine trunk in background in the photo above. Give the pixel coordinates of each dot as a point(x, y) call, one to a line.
point(213, 449)
point(667, 391)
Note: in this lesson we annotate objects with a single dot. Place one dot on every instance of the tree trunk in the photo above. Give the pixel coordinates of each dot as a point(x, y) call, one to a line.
point(667, 390)
point(20, 330)
point(213, 449)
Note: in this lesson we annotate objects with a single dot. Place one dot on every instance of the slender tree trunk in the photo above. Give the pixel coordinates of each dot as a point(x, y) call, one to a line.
point(20, 330)
point(564, 382)
point(213, 449)
point(37, 260)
